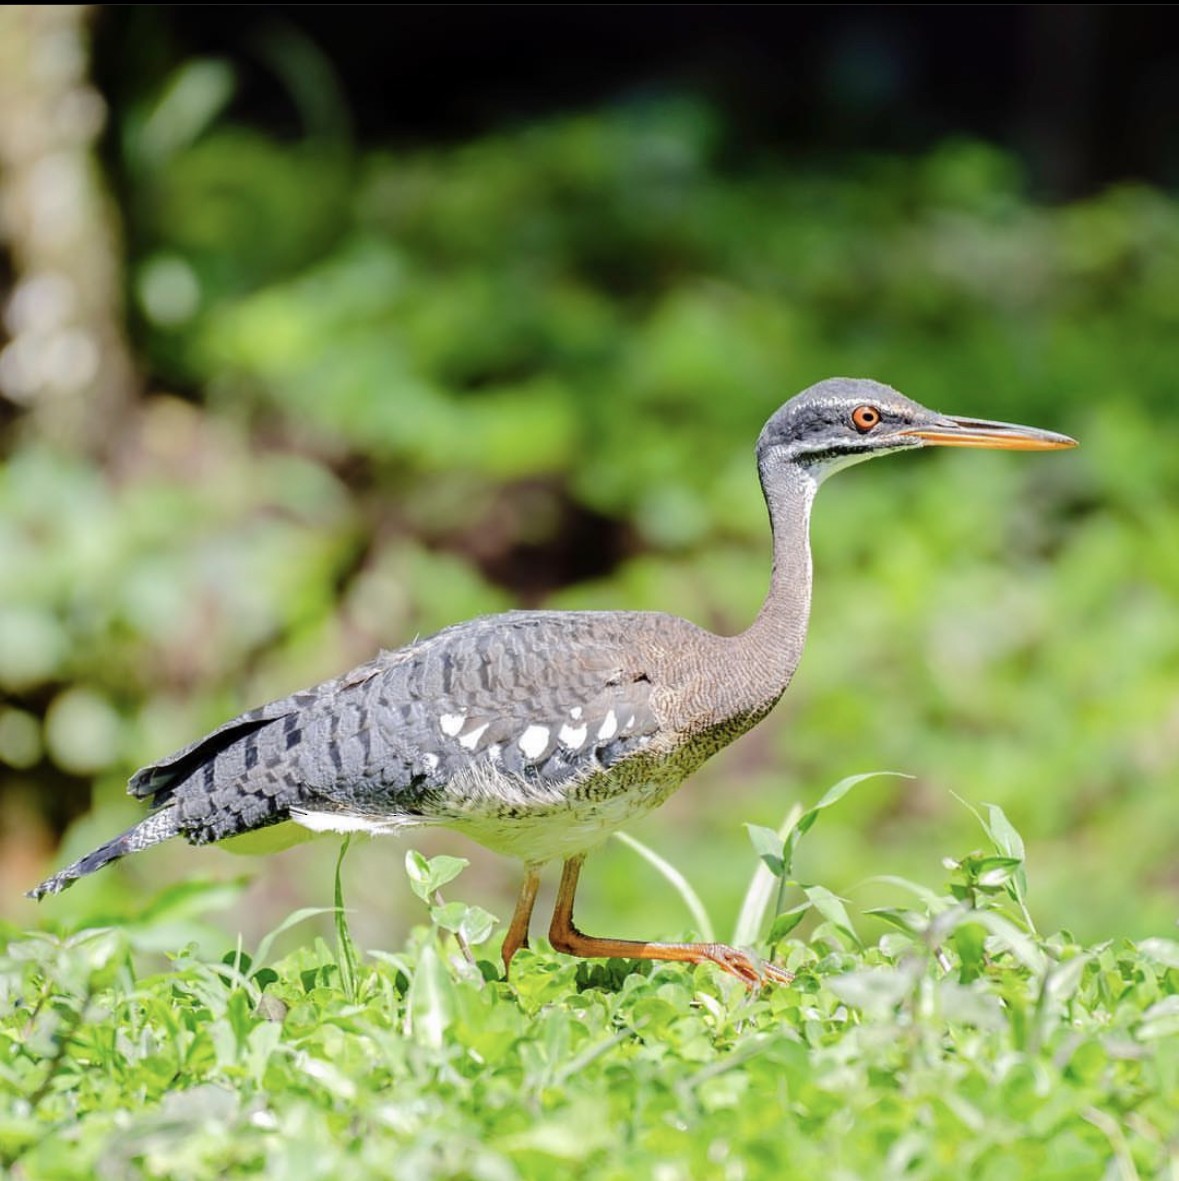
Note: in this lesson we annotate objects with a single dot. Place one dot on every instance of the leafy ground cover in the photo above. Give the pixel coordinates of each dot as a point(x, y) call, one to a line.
point(962, 1043)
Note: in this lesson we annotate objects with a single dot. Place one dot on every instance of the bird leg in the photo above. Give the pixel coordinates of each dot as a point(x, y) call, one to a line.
point(565, 937)
point(517, 936)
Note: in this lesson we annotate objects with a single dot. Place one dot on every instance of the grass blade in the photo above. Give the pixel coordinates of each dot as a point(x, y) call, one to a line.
point(292, 920)
point(678, 882)
point(345, 948)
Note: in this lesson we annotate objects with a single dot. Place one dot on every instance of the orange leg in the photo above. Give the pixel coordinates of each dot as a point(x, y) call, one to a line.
point(565, 937)
point(517, 936)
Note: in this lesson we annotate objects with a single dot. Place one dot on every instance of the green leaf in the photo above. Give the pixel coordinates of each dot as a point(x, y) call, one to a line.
point(875, 990)
point(776, 851)
point(832, 909)
point(432, 1000)
point(427, 877)
point(1004, 834)
point(969, 940)
point(836, 793)
point(473, 923)
point(1161, 951)
point(995, 872)
point(759, 894)
point(786, 922)
point(832, 796)
point(1160, 1020)
point(906, 920)
point(1008, 935)
point(190, 899)
point(768, 845)
point(969, 1006)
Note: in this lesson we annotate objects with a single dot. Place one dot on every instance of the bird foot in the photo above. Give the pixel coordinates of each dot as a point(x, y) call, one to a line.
point(753, 972)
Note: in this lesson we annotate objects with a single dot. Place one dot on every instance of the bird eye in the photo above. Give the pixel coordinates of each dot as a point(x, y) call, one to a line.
point(864, 418)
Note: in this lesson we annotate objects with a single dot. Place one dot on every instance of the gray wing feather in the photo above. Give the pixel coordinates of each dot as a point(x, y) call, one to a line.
point(156, 778)
point(543, 697)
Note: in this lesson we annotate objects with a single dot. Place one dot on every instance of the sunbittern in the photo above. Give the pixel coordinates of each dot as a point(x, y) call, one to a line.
point(538, 733)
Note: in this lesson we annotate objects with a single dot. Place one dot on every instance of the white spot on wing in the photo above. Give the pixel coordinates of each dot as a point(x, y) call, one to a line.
point(471, 739)
point(534, 740)
point(451, 724)
point(575, 713)
point(609, 726)
point(572, 738)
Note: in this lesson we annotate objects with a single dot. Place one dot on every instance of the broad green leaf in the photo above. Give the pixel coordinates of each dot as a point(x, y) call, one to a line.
point(426, 877)
point(832, 909)
point(995, 872)
point(1008, 935)
point(1160, 1020)
point(875, 990)
point(1160, 951)
point(969, 1006)
point(767, 844)
point(1003, 832)
point(473, 923)
point(432, 1003)
point(969, 939)
point(905, 920)
point(786, 922)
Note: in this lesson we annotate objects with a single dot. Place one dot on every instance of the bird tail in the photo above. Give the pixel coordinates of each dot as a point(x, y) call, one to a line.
point(153, 829)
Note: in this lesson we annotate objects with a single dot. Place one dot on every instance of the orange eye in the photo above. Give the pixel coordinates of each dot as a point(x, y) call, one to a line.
point(864, 418)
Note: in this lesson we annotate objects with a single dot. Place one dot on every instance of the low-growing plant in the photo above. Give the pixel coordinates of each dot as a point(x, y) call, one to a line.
point(960, 1043)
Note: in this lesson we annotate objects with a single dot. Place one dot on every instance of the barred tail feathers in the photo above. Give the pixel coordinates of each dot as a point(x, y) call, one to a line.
point(153, 829)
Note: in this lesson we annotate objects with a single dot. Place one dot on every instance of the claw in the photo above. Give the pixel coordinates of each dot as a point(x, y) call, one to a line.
point(754, 973)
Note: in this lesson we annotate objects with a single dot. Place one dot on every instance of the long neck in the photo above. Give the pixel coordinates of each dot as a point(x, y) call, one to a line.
point(771, 647)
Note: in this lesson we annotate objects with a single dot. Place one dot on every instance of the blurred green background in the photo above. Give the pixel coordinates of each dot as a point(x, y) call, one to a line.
point(320, 370)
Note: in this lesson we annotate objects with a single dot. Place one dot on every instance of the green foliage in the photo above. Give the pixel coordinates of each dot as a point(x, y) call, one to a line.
point(392, 390)
point(960, 1043)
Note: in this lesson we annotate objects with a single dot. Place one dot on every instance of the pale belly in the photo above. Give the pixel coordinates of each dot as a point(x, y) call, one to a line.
point(536, 836)
point(529, 822)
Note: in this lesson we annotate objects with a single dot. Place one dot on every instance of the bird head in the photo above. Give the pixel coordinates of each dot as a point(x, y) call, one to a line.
point(846, 420)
